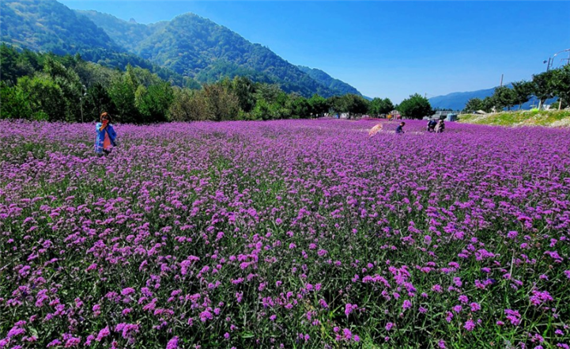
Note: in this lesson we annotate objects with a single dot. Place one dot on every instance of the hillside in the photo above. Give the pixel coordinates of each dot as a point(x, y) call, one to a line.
point(326, 80)
point(126, 34)
point(47, 25)
point(189, 46)
point(197, 47)
point(553, 118)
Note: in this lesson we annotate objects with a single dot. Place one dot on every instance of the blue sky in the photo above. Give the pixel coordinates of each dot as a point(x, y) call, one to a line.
point(386, 49)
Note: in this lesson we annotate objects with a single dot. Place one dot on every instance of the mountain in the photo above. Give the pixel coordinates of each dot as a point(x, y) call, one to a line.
point(197, 47)
point(126, 34)
point(47, 25)
point(188, 46)
point(325, 79)
point(458, 100)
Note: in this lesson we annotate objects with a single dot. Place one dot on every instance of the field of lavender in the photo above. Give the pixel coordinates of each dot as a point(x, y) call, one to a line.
point(284, 234)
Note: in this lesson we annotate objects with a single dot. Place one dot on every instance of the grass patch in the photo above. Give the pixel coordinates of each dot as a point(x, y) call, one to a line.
point(552, 118)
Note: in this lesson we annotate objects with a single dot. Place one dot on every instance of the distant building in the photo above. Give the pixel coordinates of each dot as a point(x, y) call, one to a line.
point(451, 117)
point(441, 114)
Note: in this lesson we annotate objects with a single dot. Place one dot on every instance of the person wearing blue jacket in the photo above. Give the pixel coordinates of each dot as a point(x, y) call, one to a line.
point(400, 128)
point(106, 135)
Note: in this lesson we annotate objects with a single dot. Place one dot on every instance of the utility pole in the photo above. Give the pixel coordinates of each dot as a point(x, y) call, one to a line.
point(501, 80)
point(551, 59)
point(83, 94)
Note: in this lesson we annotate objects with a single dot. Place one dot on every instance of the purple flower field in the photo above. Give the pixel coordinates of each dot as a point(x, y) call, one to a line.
point(284, 234)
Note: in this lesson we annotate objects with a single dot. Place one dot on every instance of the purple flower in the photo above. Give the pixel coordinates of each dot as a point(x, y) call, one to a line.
point(103, 333)
point(539, 297)
point(54, 343)
point(475, 307)
point(72, 342)
point(349, 308)
point(469, 325)
point(173, 343)
point(206, 315)
point(127, 291)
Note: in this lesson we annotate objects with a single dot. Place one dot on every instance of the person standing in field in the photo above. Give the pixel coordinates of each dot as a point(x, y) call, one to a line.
point(400, 128)
point(106, 135)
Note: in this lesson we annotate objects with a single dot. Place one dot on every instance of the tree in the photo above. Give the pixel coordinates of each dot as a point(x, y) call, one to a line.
point(222, 104)
point(15, 102)
point(145, 77)
point(488, 104)
point(122, 94)
point(153, 102)
point(300, 108)
point(46, 98)
point(357, 105)
point(188, 105)
point(8, 59)
point(262, 110)
point(69, 84)
point(245, 90)
point(267, 92)
point(473, 105)
point(415, 107)
point(96, 102)
point(380, 106)
point(348, 103)
point(338, 104)
point(523, 92)
point(319, 105)
point(543, 88)
point(561, 84)
point(504, 97)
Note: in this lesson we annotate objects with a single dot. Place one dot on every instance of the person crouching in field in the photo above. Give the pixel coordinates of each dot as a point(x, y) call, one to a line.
point(106, 135)
point(400, 128)
point(440, 126)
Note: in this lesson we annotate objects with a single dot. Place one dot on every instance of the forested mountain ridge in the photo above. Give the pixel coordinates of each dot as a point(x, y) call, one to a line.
point(185, 48)
point(48, 26)
point(325, 79)
point(126, 34)
point(197, 47)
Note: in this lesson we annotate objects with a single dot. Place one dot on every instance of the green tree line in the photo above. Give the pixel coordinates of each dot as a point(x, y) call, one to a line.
point(547, 85)
point(45, 86)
